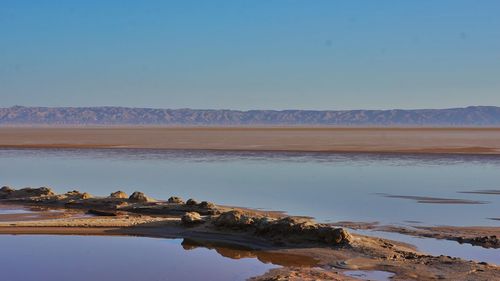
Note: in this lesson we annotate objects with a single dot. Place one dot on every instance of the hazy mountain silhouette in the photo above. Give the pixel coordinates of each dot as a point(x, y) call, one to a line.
point(468, 116)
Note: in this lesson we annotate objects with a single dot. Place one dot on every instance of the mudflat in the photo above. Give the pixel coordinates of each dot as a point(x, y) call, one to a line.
point(304, 249)
point(315, 139)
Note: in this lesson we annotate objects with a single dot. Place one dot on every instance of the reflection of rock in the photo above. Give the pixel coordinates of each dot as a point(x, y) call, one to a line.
point(175, 200)
point(292, 229)
point(191, 218)
point(139, 197)
point(234, 252)
point(118, 195)
point(191, 202)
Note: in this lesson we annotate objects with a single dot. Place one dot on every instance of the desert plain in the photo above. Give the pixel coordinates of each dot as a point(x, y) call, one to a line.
point(316, 139)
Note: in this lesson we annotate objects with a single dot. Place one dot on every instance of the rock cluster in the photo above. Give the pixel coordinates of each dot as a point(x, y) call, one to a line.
point(7, 192)
point(288, 228)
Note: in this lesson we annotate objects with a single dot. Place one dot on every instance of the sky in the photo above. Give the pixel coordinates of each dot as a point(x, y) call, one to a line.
point(250, 54)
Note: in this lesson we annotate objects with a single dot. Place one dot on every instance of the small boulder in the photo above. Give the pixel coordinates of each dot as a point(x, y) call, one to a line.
point(206, 205)
point(139, 197)
point(6, 191)
point(234, 219)
point(118, 195)
point(191, 202)
point(336, 236)
point(75, 195)
point(175, 200)
point(86, 195)
point(191, 218)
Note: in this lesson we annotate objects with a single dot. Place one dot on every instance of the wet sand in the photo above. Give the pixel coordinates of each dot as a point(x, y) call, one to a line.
point(315, 139)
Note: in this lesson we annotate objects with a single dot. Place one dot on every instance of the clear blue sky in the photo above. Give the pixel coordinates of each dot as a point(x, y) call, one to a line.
point(307, 54)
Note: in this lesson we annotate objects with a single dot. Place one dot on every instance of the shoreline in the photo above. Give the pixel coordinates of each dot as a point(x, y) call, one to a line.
point(470, 141)
point(267, 236)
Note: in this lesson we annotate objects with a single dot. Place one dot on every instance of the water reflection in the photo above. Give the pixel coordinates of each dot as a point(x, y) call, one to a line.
point(438, 247)
point(61, 258)
point(234, 252)
point(282, 156)
point(327, 186)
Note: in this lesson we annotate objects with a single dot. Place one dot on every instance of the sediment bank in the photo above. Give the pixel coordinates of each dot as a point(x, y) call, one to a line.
point(333, 249)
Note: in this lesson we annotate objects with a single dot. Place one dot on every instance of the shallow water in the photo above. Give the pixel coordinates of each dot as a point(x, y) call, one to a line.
point(372, 275)
point(330, 187)
point(438, 247)
point(58, 258)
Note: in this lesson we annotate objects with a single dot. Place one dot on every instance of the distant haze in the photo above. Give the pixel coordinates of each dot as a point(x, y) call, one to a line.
point(468, 116)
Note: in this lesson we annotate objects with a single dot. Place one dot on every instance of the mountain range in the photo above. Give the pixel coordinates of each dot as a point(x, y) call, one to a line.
point(110, 115)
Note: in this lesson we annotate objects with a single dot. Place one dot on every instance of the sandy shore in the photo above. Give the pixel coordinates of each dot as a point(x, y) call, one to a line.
point(483, 236)
point(397, 140)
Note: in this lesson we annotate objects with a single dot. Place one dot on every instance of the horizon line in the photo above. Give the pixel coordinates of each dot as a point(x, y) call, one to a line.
point(249, 110)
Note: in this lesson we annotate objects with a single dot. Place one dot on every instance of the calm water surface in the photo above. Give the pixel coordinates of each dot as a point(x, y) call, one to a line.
point(61, 258)
point(329, 187)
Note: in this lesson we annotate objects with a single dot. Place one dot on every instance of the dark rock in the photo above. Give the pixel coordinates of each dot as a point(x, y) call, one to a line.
point(7, 189)
point(191, 202)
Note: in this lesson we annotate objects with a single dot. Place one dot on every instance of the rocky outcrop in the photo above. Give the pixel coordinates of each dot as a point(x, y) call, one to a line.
point(118, 195)
point(286, 229)
point(191, 218)
point(291, 229)
point(10, 193)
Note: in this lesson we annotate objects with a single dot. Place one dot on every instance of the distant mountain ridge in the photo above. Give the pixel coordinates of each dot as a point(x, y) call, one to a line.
point(108, 115)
